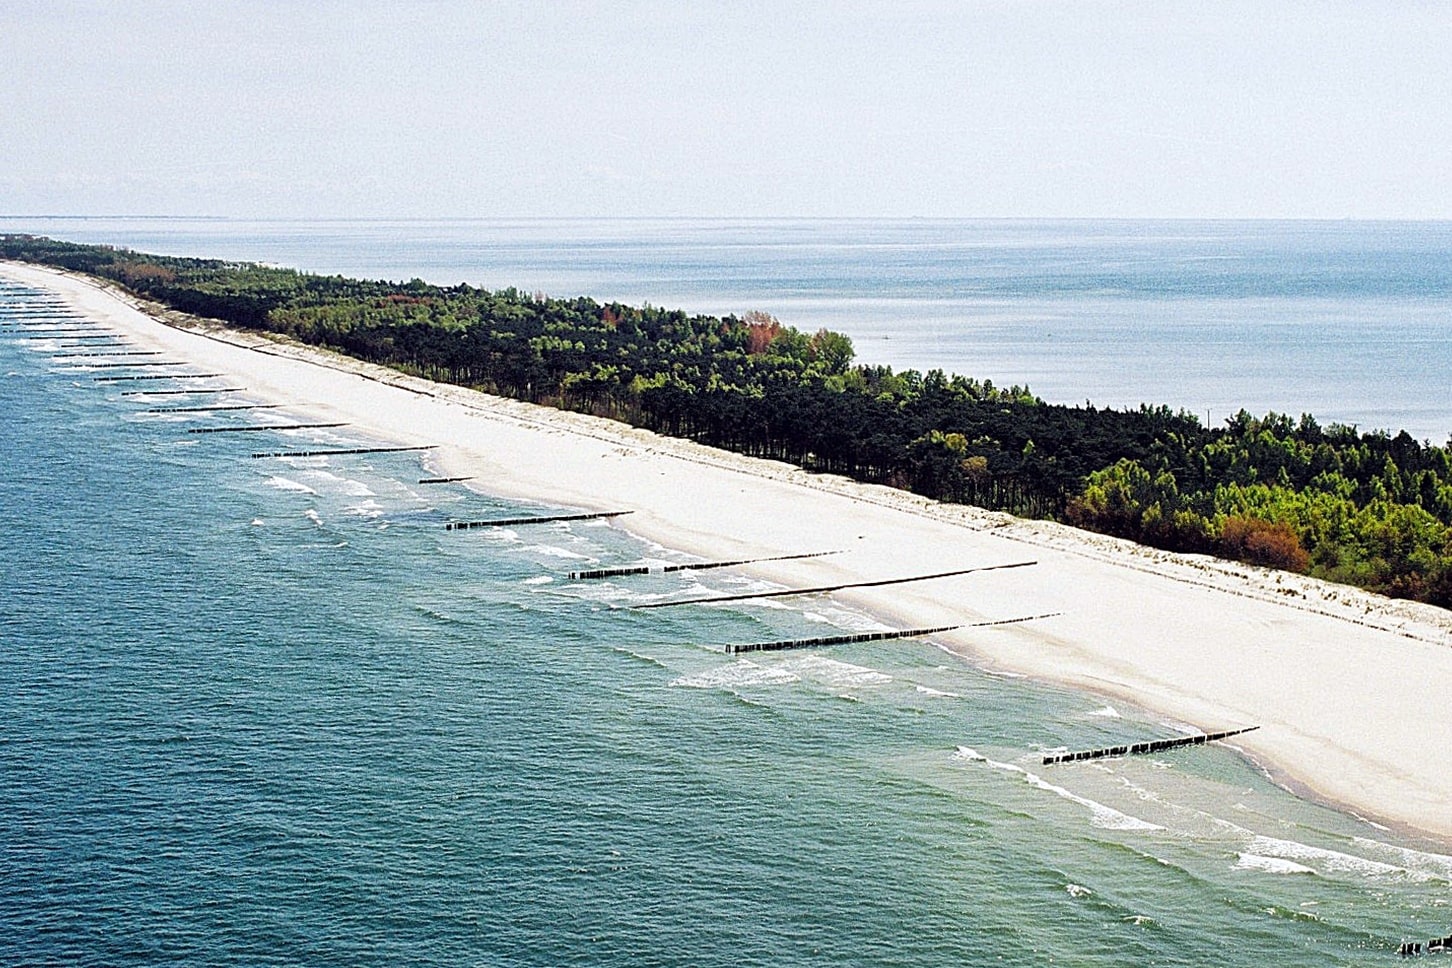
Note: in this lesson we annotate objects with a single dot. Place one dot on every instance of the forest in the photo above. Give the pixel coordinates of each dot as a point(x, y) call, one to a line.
point(1367, 508)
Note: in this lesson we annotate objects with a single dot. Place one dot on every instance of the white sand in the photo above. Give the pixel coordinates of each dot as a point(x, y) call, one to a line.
point(1350, 689)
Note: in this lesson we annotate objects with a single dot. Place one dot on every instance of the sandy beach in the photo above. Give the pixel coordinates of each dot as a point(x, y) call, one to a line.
point(1347, 687)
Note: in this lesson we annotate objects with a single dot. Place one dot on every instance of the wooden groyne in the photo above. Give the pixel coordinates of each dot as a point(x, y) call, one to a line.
point(1153, 746)
point(700, 566)
point(77, 356)
point(822, 589)
point(341, 451)
point(157, 376)
point(1411, 949)
point(131, 365)
point(199, 391)
point(442, 480)
point(850, 638)
point(255, 428)
point(213, 409)
point(546, 519)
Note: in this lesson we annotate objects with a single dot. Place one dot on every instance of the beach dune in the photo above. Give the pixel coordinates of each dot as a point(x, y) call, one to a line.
point(1349, 688)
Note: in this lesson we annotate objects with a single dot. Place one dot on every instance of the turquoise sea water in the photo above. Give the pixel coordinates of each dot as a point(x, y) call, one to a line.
point(270, 711)
point(1350, 321)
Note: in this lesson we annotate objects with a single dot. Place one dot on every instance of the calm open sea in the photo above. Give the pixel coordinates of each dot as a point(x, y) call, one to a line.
point(265, 711)
point(1350, 321)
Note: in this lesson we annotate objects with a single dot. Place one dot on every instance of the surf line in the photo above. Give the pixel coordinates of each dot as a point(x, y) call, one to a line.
point(1154, 746)
point(854, 637)
point(745, 596)
point(699, 566)
point(546, 519)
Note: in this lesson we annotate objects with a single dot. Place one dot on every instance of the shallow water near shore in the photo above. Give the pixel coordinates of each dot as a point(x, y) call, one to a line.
point(269, 710)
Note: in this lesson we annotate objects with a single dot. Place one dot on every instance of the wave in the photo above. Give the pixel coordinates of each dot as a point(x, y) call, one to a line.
point(1334, 861)
point(552, 551)
point(1270, 865)
point(639, 656)
point(1438, 866)
point(607, 593)
point(287, 484)
point(1101, 815)
point(834, 673)
point(737, 674)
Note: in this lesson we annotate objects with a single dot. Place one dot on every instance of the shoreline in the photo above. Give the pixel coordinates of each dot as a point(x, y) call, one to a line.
point(1343, 682)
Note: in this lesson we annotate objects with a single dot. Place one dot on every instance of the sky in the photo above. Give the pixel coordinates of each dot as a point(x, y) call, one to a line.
point(635, 108)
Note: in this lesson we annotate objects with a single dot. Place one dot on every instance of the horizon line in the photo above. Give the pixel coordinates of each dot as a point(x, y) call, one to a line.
point(727, 218)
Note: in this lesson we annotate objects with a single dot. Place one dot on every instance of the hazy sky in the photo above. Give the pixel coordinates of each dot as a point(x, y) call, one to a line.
point(974, 108)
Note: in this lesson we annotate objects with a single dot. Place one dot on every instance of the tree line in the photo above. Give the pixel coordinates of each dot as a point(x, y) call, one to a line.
point(1365, 508)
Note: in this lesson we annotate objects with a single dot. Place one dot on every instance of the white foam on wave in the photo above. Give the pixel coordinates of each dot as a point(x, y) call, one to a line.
point(831, 672)
point(552, 551)
point(737, 674)
point(1334, 861)
point(608, 593)
point(758, 603)
point(1270, 865)
point(937, 693)
point(368, 509)
point(1106, 712)
point(286, 484)
point(346, 485)
point(539, 580)
point(1425, 862)
point(1102, 816)
point(1077, 890)
point(314, 517)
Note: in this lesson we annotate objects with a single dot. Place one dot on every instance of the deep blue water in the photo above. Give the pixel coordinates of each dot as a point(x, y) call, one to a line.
point(1350, 321)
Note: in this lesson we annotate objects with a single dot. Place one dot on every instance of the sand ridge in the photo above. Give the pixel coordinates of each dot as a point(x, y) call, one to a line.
point(1347, 686)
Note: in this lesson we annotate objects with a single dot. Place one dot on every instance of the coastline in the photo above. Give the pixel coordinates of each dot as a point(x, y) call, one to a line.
point(1342, 682)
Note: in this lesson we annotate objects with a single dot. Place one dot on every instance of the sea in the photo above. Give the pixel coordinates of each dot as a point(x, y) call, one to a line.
point(269, 710)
